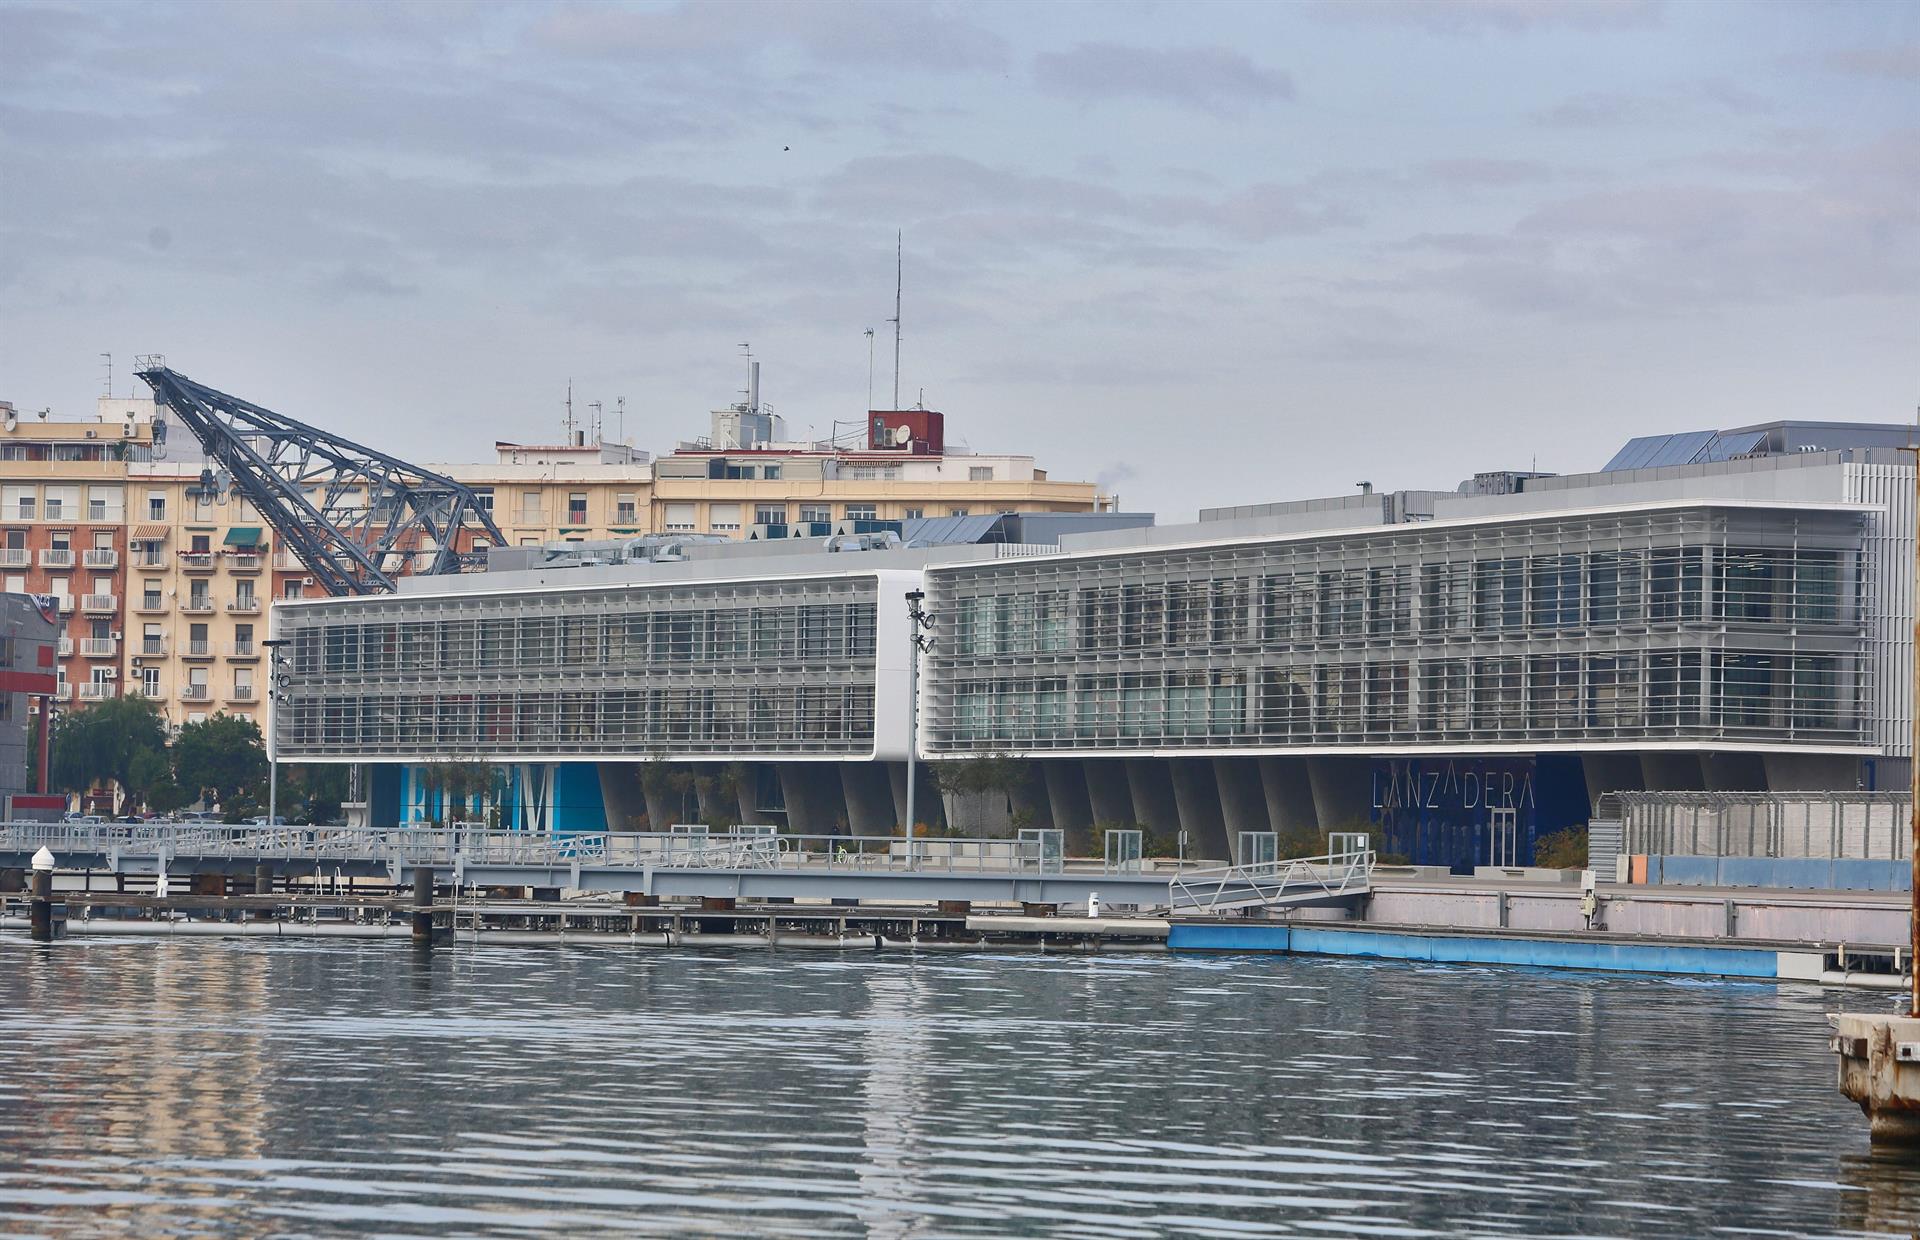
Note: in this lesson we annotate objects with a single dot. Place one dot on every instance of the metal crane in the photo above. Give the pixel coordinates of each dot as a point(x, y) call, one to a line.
point(356, 517)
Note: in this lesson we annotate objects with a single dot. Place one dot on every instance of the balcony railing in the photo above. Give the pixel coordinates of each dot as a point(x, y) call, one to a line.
point(100, 604)
point(98, 690)
point(63, 692)
point(151, 647)
point(197, 605)
point(196, 693)
point(99, 647)
point(244, 561)
point(244, 650)
point(15, 557)
point(197, 650)
point(64, 647)
point(197, 561)
point(243, 695)
point(150, 559)
point(101, 557)
point(56, 511)
point(151, 605)
point(249, 606)
point(56, 557)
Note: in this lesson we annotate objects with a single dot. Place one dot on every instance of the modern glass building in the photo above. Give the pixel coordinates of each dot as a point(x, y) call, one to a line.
point(1458, 671)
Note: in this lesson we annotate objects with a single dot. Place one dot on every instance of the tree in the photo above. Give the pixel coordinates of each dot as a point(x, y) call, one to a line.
point(223, 758)
point(990, 772)
point(313, 794)
point(166, 796)
point(122, 740)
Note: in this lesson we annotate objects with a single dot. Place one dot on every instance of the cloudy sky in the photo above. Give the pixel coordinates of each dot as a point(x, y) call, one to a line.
point(1206, 254)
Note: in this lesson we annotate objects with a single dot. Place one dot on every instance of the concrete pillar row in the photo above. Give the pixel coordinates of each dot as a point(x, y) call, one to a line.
point(1671, 771)
point(1289, 794)
point(1196, 797)
point(1611, 772)
point(1243, 799)
point(1151, 784)
point(1072, 809)
point(1342, 792)
point(868, 797)
point(1109, 793)
point(816, 803)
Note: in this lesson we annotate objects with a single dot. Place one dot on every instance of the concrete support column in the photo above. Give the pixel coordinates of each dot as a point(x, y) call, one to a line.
point(620, 793)
point(1109, 794)
point(1154, 805)
point(1733, 772)
point(1611, 772)
point(1031, 805)
point(1072, 811)
point(816, 804)
point(746, 786)
point(1811, 772)
point(1196, 799)
point(1669, 771)
point(1243, 801)
point(660, 802)
point(870, 803)
point(1342, 792)
point(931, 810)
point(1289, 794)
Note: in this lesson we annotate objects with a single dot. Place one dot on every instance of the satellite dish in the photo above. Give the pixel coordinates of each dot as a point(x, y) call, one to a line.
point(902, 436)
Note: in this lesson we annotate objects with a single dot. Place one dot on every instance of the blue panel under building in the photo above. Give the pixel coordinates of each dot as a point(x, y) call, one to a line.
point(1462, 812)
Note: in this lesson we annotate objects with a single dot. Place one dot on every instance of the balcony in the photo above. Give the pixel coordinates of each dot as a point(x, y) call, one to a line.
point(197, 605)
point(64, 602)
point(63, 692)
point(55, 512)
point(244, 650)
point(98, 690)
point(100, 604)
point(151, 605)
point(56, 557)
point(248, 606)
point(197, 561)
point(154, 558)
point(99, 647)
point(100, 557)
point(243, 695)
point(202, 649)
point(196, 693)
point(244, 561)
point(64, 648)
point(101, 513)
point(152, 648)
point(15, 557)
point(287, 562)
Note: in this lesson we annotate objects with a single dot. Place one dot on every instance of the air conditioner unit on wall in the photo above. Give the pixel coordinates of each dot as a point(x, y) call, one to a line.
point(109, 673)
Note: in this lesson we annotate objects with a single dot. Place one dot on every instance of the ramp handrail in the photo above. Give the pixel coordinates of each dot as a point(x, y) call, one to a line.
point(1335, 874)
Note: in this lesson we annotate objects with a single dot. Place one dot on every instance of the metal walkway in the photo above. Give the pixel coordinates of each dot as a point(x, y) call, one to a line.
point(745, 864)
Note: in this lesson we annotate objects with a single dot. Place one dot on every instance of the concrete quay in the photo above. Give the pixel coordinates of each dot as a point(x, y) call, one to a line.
point(1880, 1070)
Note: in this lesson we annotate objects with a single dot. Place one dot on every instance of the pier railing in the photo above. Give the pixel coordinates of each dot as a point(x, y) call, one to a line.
point(1821, 825)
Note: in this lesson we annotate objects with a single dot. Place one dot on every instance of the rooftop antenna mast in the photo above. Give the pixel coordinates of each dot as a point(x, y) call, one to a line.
point(869, 369)
point(899, 268)
point(569, 412)
point(620, 409)
point(599, 422)
point(109, 364)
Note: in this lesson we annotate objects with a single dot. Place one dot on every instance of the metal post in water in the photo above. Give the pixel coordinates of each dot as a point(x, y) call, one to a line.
point(40, 902)
point(918, 644)
point(423, 907)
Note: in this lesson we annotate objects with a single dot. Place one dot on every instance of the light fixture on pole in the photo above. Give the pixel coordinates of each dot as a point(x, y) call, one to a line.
point(921, 640)
point(276, 686)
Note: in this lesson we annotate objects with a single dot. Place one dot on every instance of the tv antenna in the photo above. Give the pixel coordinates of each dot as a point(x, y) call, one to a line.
point(569, 413)
point(869, 370)
point(108, 361)
point(899, 268)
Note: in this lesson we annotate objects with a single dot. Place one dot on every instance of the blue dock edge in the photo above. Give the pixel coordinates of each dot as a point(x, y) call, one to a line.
point(1477, 949)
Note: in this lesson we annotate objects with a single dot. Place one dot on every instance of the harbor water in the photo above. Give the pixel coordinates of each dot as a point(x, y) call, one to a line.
point(254, 1088)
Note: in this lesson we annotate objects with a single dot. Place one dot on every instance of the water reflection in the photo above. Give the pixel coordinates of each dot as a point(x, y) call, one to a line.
point(254, 1087)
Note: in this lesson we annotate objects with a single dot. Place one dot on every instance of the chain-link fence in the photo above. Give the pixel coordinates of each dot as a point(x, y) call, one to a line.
point(1864, 825)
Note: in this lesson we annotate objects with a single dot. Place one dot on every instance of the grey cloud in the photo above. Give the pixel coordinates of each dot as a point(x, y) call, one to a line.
point(1594, 110)
point(1215, 80)
point(364, 282)
point(1898, 60)
point(1469, 17)
point(1470, 172)
point(869, 34)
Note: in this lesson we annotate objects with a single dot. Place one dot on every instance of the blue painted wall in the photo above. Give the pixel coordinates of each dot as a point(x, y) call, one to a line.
point(1435, 811)
point(1478, 949)
point(1790, 873)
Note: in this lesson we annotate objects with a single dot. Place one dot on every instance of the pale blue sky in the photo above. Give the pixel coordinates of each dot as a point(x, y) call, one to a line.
point(1205, 253)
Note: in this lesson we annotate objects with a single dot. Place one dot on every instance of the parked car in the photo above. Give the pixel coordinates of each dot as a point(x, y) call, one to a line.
point(83, 818)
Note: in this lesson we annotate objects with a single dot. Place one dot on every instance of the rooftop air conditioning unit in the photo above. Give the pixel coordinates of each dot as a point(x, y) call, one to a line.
point(92, 434)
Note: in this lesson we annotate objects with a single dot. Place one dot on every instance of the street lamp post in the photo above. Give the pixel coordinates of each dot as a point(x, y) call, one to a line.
point(276, 684)
point(921, 641)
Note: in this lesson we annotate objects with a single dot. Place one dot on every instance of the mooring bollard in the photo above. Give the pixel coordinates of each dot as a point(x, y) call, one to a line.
point(423, 907)
point(40, 901)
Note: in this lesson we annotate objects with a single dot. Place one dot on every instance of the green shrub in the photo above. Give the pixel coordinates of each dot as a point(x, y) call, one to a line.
point(1563, 850)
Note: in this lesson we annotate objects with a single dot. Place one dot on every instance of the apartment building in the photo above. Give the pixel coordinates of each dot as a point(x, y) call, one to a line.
point(63, 531)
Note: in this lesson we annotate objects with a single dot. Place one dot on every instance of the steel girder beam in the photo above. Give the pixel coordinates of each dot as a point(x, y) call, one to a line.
point(356, 517)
